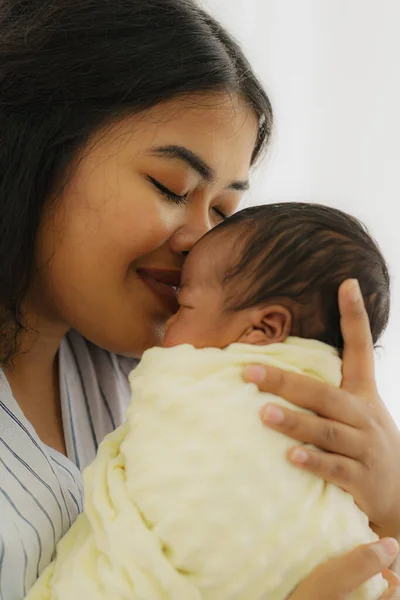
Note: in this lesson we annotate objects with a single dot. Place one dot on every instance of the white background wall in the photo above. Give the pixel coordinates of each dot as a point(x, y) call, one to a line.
point(332, 69)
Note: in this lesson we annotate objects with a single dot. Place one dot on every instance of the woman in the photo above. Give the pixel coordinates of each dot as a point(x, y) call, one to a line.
point(128, 130)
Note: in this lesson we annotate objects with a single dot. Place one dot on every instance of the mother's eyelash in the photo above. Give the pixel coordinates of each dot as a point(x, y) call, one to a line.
point(176, 198)
point(220, 213)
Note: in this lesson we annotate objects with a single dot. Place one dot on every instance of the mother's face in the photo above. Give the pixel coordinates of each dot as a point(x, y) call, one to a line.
point(144, 191)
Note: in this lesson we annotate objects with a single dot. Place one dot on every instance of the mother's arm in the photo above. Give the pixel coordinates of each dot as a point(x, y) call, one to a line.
point(351, 423)
point(335, 579)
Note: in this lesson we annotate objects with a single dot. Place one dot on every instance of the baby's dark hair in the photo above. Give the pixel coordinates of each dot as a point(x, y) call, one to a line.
point(298, 254)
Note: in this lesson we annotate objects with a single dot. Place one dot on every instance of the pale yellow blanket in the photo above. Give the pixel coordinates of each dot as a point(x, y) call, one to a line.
point(194, 499)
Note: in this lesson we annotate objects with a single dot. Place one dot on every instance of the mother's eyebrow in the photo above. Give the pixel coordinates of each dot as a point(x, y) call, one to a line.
point(195, 162)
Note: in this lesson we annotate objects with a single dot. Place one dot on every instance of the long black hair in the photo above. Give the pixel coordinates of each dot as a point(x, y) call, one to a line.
point(67, 67)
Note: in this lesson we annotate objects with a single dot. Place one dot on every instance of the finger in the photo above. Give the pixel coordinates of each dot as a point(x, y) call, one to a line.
point(391, 594)
point(340, 470)
point(344, 574)
point(394, 585)
point(311, 429)
point(358, 356)
point(307, 393)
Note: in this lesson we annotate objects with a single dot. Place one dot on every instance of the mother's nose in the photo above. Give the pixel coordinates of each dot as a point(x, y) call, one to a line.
point(185, 237)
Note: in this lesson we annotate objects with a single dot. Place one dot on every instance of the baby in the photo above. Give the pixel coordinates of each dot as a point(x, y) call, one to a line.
point(192, 498)
point(273, 271)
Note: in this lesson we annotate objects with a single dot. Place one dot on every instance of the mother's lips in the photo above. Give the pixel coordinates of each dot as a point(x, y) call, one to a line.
point(164, 284)
point(167, 276)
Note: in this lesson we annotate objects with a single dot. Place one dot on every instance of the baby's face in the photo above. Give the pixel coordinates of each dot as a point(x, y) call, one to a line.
point(201, 319)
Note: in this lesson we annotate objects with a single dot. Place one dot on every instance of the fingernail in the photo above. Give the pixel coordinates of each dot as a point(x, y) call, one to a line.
point(354, 291)
point(254, 374)
point(389, 546)
point(299, 456)
point(272, 414)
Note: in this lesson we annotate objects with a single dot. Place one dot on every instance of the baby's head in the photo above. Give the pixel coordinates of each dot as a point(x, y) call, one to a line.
point(273, 271)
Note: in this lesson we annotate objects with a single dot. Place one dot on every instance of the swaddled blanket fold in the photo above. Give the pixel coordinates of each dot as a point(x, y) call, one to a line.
point(194, 499)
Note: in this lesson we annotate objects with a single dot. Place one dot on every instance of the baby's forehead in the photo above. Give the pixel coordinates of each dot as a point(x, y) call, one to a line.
point(208, 261)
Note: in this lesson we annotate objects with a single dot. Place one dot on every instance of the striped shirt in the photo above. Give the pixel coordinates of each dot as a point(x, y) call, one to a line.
point(40, 489)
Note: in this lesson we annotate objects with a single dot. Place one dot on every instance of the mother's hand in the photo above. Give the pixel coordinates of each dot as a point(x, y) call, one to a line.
point(335, 579)
point(352, 423)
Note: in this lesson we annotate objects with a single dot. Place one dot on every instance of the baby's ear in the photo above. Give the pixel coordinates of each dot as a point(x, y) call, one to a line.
point(269, 325)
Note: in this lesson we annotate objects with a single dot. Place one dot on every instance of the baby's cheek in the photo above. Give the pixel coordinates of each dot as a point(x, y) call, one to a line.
point(176, 331)
point(187, 327)
point(171, 322)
